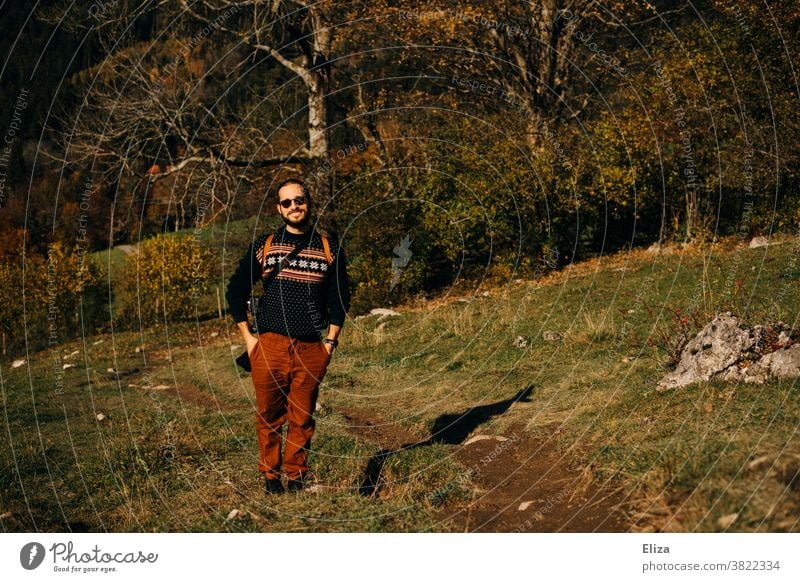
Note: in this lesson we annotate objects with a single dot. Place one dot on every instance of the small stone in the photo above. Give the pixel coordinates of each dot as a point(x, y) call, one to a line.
point(520, 342)
point(100, 417)
point(484, 437)
point(726, 521)
point(551, 336)
point(383, 312)
point(111, 371)
point(17, 363)
point(759, 241)
point(486, 294)
point(139, 349)
point(67, 366)
point(234, 514)
point(759, 463)
point(524, 505)
point(214, 334)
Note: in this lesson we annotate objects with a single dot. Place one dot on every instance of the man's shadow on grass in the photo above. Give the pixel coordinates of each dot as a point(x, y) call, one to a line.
point(448, 429)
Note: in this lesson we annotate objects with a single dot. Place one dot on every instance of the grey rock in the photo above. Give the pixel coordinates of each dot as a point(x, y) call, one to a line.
point(783, 363)
point(725, 350)
point(759, 241)
point(383, 311)
point(716, 348)
point(520, 342)
point(551, 336)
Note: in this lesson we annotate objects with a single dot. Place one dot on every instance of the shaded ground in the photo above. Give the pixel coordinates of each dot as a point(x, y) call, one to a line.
point(527, 486)
point(518, 484)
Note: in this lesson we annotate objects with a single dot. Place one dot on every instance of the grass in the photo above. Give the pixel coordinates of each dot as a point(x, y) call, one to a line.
point(183, 459)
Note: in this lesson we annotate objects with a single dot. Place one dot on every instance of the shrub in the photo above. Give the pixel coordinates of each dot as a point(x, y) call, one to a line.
point(164, 278)
point(63, 296)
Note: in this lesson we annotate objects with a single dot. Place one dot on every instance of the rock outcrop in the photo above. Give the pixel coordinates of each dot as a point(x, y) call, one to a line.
point(725, 349)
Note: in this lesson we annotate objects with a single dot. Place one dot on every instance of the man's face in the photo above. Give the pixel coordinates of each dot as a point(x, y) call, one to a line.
point(296, 215)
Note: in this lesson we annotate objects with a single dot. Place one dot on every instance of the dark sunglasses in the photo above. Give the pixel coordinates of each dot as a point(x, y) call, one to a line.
point(287, 203)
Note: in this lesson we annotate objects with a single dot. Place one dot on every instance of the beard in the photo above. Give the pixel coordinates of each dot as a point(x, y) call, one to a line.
point(297, 222)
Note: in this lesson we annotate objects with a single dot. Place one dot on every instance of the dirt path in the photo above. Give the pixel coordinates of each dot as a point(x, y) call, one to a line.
point(519, 484)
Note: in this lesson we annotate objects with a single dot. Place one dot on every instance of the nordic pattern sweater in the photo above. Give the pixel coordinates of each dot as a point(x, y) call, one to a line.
point(304, 297)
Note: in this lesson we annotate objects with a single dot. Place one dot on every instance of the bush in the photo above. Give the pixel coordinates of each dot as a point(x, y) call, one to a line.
point(164, 278)
point(63, 296)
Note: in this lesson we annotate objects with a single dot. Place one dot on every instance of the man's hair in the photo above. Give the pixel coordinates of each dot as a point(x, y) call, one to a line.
point(306, 191)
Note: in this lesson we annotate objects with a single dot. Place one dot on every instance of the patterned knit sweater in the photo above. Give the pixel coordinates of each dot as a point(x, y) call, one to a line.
point(304, 297)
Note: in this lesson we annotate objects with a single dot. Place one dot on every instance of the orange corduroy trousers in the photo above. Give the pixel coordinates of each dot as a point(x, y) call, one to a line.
point(286, 373)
